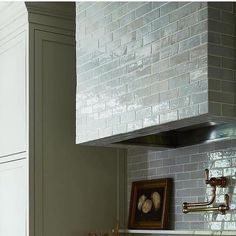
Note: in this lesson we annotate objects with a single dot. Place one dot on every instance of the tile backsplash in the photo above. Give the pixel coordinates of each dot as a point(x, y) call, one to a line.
point(186, 166)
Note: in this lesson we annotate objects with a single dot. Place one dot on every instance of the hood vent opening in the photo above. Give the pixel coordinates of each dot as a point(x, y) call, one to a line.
point(192, 135)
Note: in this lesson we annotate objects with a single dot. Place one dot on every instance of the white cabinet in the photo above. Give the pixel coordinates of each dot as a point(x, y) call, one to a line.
point(13, 210)
point(13, 123)
point(13, 95)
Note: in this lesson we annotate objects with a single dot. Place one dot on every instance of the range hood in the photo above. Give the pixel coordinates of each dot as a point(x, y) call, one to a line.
point(191, 135)
point(161, 75)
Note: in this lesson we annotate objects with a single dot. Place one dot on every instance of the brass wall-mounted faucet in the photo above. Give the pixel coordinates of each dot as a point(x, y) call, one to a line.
point(204, 206)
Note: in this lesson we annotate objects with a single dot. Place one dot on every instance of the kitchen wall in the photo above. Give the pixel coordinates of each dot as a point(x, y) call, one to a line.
point(142, 64)
point(186, 167)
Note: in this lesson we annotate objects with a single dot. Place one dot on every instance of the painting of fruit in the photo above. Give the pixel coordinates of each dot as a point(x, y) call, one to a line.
point(149, 204)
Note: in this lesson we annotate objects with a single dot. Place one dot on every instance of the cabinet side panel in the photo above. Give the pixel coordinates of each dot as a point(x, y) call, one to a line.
point(76, 187)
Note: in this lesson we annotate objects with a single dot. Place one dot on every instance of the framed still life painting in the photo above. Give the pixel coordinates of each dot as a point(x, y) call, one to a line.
point(149, 204)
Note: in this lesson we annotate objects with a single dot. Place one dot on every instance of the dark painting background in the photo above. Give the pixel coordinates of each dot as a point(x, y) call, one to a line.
point(152, 215)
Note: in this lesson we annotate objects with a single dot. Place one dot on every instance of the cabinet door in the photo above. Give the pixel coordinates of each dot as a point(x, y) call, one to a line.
point(13, 96)
point(13, 198)
point(69, 179)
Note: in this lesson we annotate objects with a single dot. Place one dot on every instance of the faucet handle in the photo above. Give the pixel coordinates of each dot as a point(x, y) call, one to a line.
point(215, 181)
point(206, 176)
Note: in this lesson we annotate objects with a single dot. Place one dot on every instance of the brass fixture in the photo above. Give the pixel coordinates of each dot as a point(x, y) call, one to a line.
point(215, 182)
point(204, 206)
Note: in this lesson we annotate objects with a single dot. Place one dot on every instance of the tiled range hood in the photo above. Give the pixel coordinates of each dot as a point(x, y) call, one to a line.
point(159, 68)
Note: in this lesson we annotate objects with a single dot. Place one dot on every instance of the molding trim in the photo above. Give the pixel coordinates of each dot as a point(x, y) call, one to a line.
point(59, 15)
point(12, 13)
point(15, 15)
point(64, 10)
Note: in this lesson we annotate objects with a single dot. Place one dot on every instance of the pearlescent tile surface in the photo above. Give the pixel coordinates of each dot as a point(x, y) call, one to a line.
point(134, 57)
point(222, 58)
point(186, 166)
point(139, 64)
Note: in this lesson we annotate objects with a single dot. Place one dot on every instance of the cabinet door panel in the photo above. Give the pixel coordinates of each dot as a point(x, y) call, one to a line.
point(68, 178)
point(12, 96)
point(13, 198)
point(54, 73)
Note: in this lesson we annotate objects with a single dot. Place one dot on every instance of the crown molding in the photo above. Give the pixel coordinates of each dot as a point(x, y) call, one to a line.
point(10, 12)
point(65, 10)
point(60, 15)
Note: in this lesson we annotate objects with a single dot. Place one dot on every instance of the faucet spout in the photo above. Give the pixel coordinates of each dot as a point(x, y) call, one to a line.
point(201, 204)
point(204, 206)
